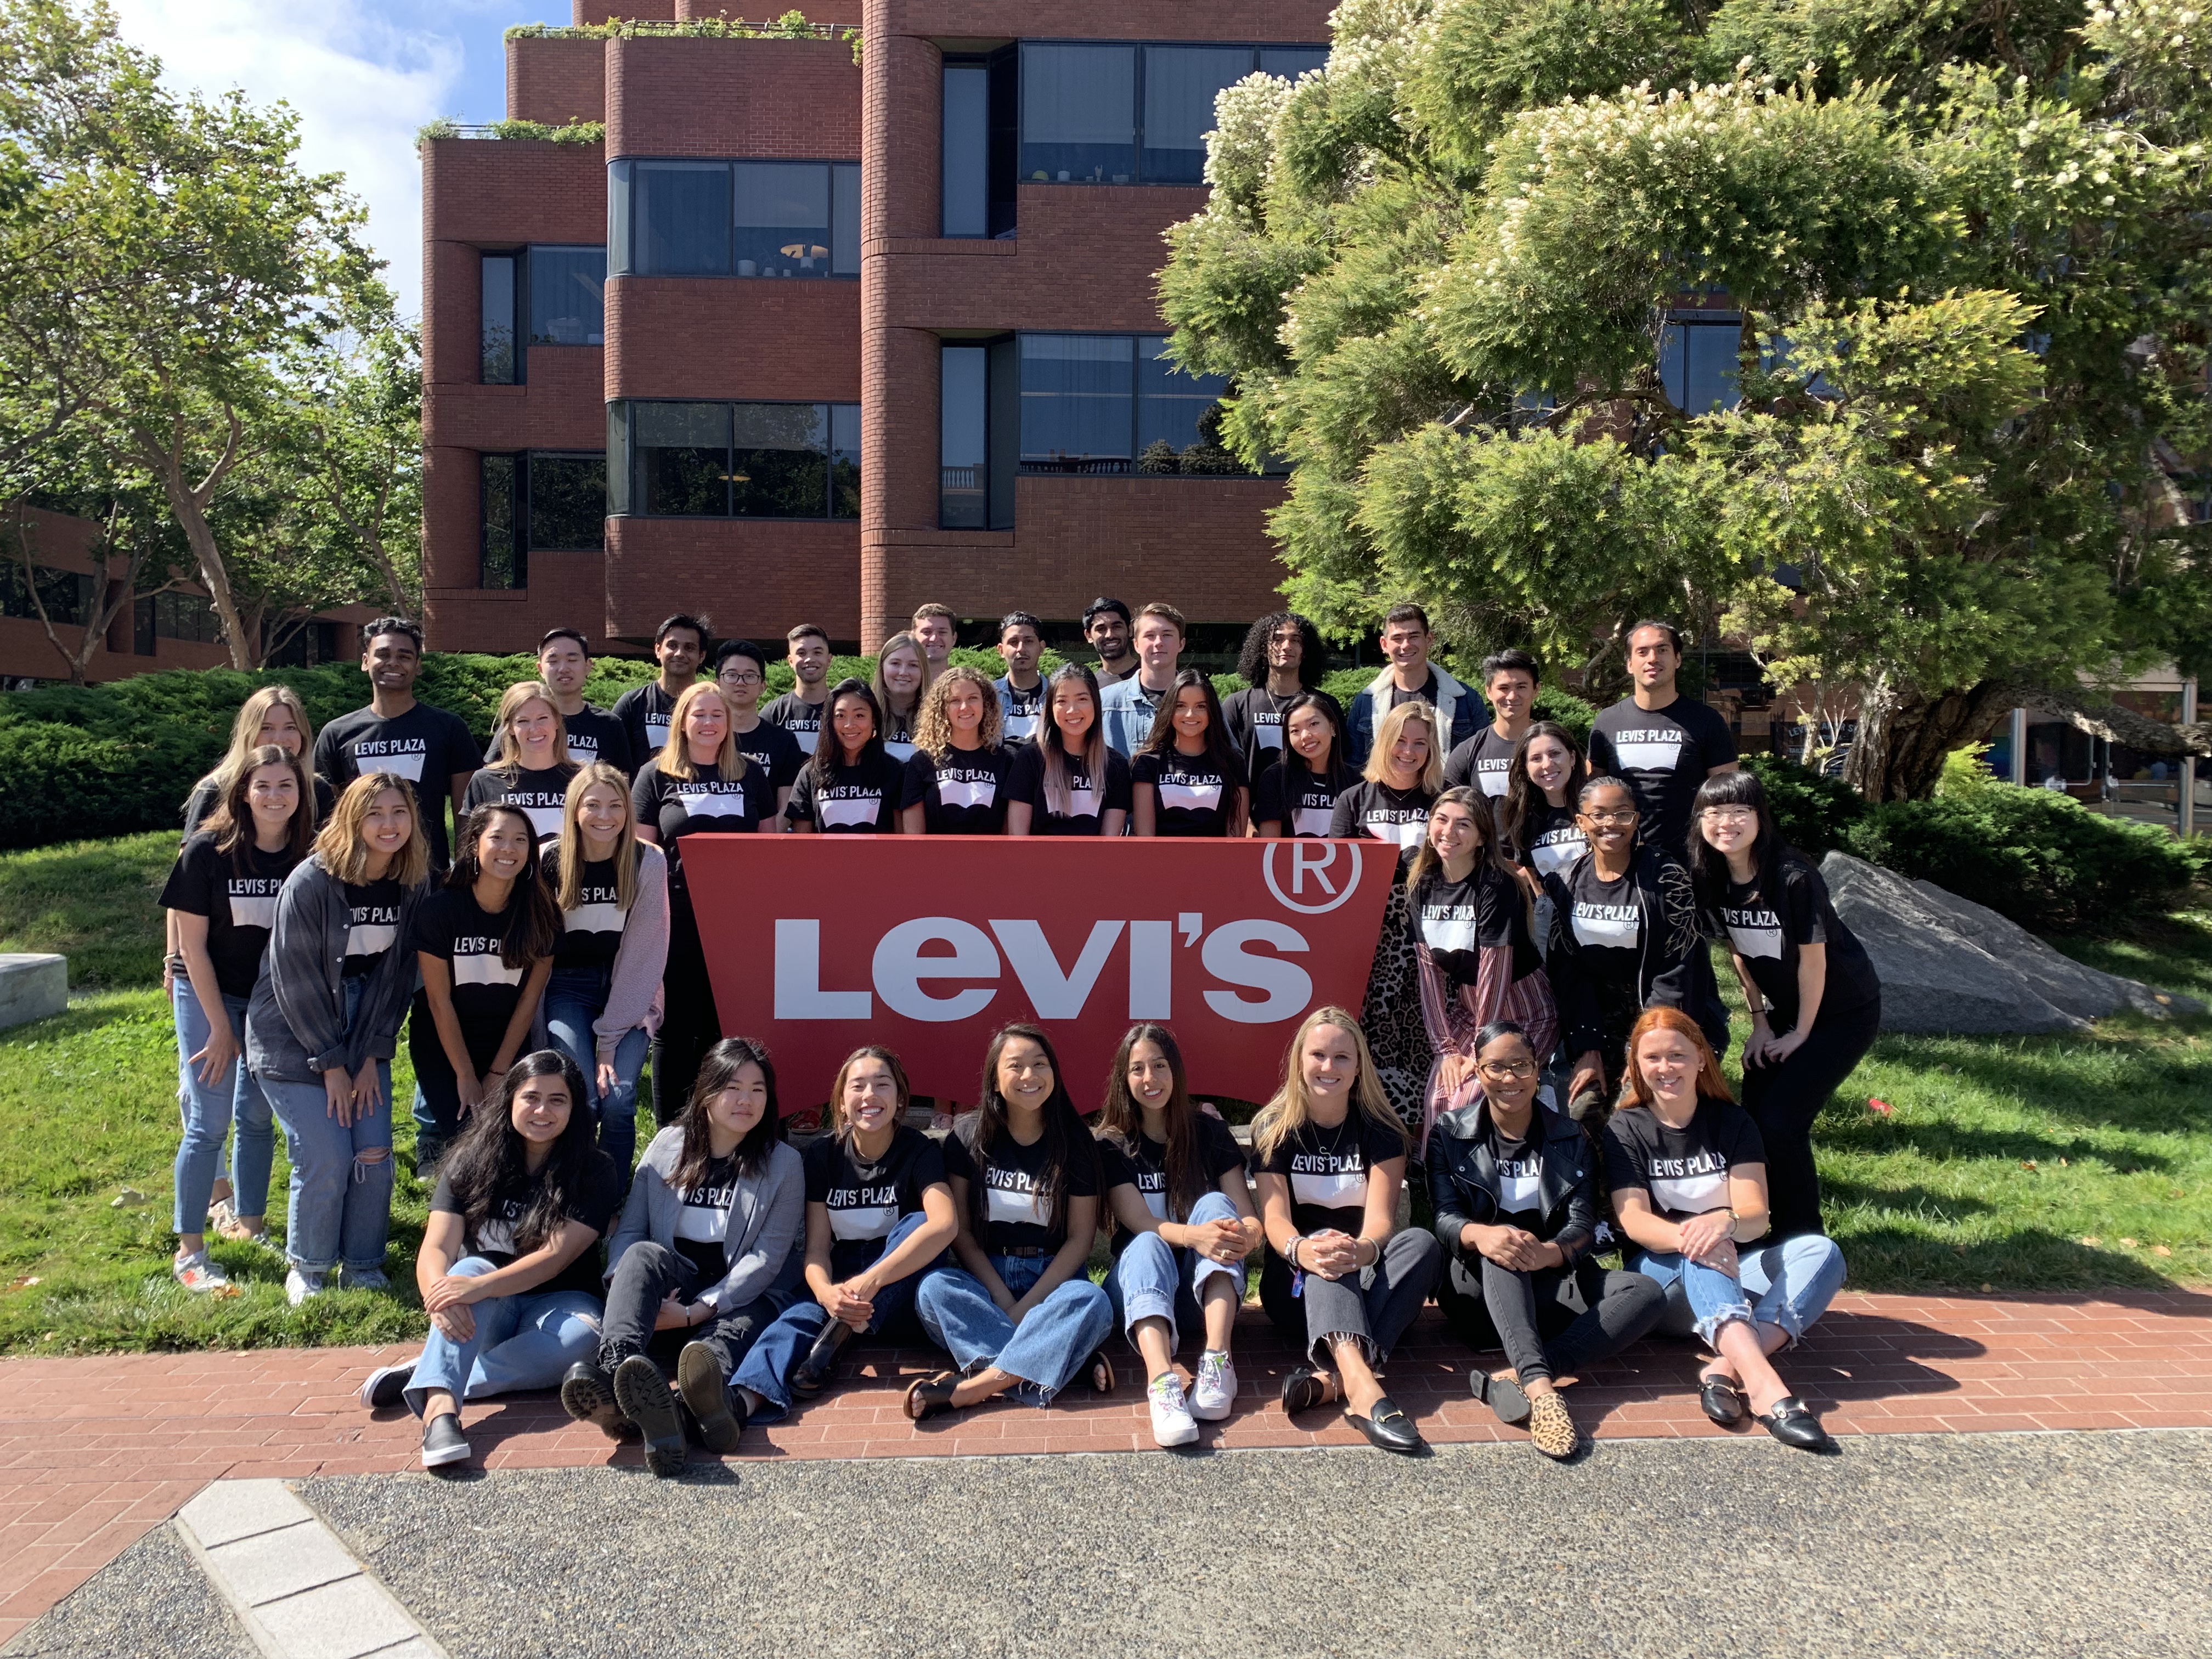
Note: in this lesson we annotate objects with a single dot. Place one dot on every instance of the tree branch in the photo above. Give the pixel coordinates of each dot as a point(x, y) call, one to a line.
point(2088, 711)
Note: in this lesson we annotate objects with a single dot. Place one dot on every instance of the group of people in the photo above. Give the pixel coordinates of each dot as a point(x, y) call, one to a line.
point(1542, 964)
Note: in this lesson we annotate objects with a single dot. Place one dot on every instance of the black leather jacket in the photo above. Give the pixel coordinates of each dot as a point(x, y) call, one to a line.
point(1464, 1179)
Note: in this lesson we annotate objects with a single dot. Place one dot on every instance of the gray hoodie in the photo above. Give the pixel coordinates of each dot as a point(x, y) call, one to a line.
point(766, 1244)
point(296, 1025)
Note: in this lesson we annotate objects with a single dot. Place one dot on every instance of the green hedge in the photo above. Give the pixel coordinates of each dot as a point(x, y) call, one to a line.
point(1814, 813)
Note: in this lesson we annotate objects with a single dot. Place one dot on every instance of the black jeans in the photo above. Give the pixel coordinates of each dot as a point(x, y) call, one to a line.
point(437, 1107)
point(647, 1275)
point(1784, 1099)
point(689, 1023)
point(1378, 1315)
point(1550, 1322)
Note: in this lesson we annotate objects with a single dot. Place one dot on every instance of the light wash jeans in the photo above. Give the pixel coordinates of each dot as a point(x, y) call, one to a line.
point(341, 1204)
point(1154, 1280)
point(574, 997)
point(209, 1111)
point(1045, 1351)
point(768, 1364)
point(1789, 1283)
point(524, 1341)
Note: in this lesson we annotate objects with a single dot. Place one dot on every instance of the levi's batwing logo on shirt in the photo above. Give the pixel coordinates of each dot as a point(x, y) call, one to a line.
point(1555, 849)
point(1397, 824)
point(1447, 926)
point(963, 786)
point(1753, 932)
point(863, 1211)
point(712, 797)
point(1690, 1184)
point(706, 1213)
point(1491, 774)
point(656, 731)
point(1153, 1186)
point(596, 912)
point(1614, 925)
point(849, 803)
point(1312, 821)
point(1648, 748)
point(253, 901)
point(1335, 1181)
point(476, 962)
point(542, 807)
point(497, 1235)
point(1518, 1180)
point(1267, 729)
point(1012, 1198)
point(583, 748)
point(1192, 797)
point(371, 929)
point(404, 755)
point(900, 752)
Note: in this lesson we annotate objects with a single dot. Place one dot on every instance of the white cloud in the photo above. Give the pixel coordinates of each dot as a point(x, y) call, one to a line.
point(362, 82)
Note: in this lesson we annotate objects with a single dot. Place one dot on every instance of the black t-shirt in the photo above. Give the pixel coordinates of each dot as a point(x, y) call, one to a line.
point(1017, 1214)
point(540, 794)
point(593, 735)
point(1550, 839)
point(1087, 802)
point(962, 795)
point(238, 898)
point(494, 1239)
point(1143, 1164)
point(1304, 801)
point(202, 801)
point(770, 746)
point(1458, 920)
point(898, 732)
point(702, 1222)
point(449, 925)
point(1427, 694)
point(802, 719)
point(1480, 762)
point(644, 711)
point(425, 745)
point(856, 800)
point(1607, 923)
point(1021, 710)
point(1766, 935)
point(1664, 754)
point(372, 924)
point(867, 1200)
point(1375, 811)
point(1253, 718)
point(675, 807)
point(1520, 1173)
point(1193, 793)
point(1328, 1170)
point(1684, 1172)
point(592, 933)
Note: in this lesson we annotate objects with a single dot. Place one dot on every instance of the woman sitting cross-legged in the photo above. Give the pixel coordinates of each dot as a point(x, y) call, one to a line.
point(1182, 1227)
point(708, 1253)
point(1018, 1312)
point(508, 1268)
point(1340, 1277)
point(1514, 1186)
point(1689, 1184)
point(878, 1215)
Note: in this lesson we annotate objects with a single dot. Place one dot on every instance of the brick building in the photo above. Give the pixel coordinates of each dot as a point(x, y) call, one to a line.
point(806, 339)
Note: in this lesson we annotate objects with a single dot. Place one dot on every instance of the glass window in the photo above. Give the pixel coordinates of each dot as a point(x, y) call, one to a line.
point(567, 502)
point(567, 295)
point(963, 189)
point(501, 561)
point(1291, 62)
point(682, 218)
point(962, 430)
point(619, 174)
point(844, 460)
point(781, 461)
point(619, 468)
point(1078, 114)
point(845, 222)
point(501, 363)
point(782, 219)
point(1697, 362)
point(1076, 413)
point(1179, 82)
point(683, 458)
point(1169, 401)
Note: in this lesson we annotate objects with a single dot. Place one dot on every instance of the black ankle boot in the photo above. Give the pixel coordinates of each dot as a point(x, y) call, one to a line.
point(811, 1375)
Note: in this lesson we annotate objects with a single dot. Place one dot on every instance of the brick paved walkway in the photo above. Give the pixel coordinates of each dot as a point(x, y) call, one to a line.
point(93, 1453)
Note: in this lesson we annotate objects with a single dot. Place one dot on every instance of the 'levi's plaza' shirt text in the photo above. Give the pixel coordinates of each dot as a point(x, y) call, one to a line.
point(238, 902)
point(1021, 709)
point(1143, 1164)
point(1767, 937)
point(1481, 762)
point(1379, 812)
point(1520, 1173)
point(1459, 920)
point(708, 804)
point(1685, 1171)
point(1664, 754)
point(1087, 802)
point(1550, 839)
point(867, 1200)
point(853, 801)
point(372, 924)
point(427, 746)
point(1192, 796)
point(644, 711)
point(702, 1220)
point(1607, 923)
point(451, 925)
point(1017, 1207)
point(1328, 1170)
point(539, 795)
point(962, 795)
point(1294, 795)
point(591, 934)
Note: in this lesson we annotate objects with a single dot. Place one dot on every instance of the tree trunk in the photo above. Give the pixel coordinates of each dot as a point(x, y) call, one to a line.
point(189, 503)
point(1904, 736)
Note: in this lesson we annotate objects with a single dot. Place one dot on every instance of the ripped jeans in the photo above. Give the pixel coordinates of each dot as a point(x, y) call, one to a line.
point(1789, 1284)
point(341, 1201)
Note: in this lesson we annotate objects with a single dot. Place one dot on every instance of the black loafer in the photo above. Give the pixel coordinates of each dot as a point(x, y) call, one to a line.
point(587, 1394)
point(642, 1393)
point(1793, 1423)
point(1302, 1391)
point(812, 1374)
point(1388, 1427)
point(699, 1380)
point(1720, 1400)
point(1503, 1395)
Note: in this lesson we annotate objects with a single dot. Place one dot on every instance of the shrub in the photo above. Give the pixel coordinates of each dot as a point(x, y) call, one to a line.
point(1814, 813)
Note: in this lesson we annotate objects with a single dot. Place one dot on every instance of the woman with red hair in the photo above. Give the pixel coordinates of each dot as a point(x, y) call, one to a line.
point(1689, 1186)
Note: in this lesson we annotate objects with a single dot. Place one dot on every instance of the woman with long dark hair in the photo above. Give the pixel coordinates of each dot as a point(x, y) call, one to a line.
point(484, 944)
point(708, 1253)
point(1066, 781)
point(1537, 821)
point(852, 785)
point(1018, 1313)
point(1182, 1227)
point(222, 903)
point(508, 1270)
point(1186, 775)
point(1815, 998)
point(1297, 796)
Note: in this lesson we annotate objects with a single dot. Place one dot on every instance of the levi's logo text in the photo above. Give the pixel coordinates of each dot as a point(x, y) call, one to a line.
point(404, 755)
point(1648, 748)
point(1754, 932)
point(1614, 925)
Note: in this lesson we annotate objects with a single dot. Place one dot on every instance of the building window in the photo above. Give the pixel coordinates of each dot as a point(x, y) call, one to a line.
point(567, 303)
point(1698, 360)
point(734, 218)
point(964, 186)
point(693, 460)
point(566, 501)
point(67, 595)
point(501, 363)
point(1095, 402)
point(1094, 113)
point(963, 437)
point(501, 560)
point(188, 616)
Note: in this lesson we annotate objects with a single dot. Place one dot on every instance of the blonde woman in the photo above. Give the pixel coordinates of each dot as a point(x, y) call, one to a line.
point(899, 682)
point(1340, 1277)
point(533, 768)
point(955, 783)
point(1404, 776)
point(603, 1001)
point(323, 1025)
point(700, 783)
point(1066, 781)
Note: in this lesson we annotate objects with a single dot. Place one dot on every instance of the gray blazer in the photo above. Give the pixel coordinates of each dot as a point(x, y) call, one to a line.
point(766, 1244)
point(295, 1024)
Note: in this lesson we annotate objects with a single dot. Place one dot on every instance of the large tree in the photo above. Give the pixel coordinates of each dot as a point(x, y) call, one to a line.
point(1968, 245)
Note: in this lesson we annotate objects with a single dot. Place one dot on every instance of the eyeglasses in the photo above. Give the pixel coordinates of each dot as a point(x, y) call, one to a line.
point(1508, 1068)
point(745, 676)
point(1728, 817)
point(1621, 815)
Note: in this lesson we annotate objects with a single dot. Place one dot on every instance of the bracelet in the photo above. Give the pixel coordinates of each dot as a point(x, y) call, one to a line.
point(1290, 1252)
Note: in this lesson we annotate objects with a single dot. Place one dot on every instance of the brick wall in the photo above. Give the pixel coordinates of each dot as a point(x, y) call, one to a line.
point(557, 80)
point(754, 577)
point(598, 11)
point(703, 337)
point(679, 96)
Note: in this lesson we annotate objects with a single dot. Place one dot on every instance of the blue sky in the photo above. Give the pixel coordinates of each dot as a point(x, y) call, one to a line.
point(363, 74)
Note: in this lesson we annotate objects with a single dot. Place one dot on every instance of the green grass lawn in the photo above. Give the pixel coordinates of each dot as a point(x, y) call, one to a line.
point(2011, 1162)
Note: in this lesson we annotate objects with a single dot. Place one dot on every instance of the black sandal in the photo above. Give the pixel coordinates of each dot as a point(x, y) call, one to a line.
point(1303, 1390)
point(928, 1395)
point(1504, 1395)
point(1099, 1366)
point(1720, 1400)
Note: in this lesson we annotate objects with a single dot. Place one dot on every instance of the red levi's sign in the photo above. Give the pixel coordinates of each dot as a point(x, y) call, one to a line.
point(927, 945)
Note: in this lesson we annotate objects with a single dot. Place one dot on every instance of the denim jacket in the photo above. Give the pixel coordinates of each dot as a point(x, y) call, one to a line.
point(295, 1024)
point(1464, 1179)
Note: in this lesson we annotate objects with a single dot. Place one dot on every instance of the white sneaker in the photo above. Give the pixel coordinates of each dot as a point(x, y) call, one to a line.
point(1214, 1394)
point(1171, 1422)
point(300, 1285)
point(366, 1278)
point(198, 1275)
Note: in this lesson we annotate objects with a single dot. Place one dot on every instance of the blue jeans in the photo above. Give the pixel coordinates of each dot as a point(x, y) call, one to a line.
point(1153, 1280)
point(341, 1202)
point(768, 1366)
point(524, 1341)
point(574, 997)
point(1789, 1284)
point(1045, 1351)
point(209, 1109)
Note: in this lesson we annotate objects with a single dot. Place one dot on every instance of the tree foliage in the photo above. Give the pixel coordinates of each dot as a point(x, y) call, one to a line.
point(1968, 247)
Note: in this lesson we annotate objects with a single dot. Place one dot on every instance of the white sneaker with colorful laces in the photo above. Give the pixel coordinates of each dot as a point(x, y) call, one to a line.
point(1171, 1421)
point(1213, 1393)
point(198, 1275)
